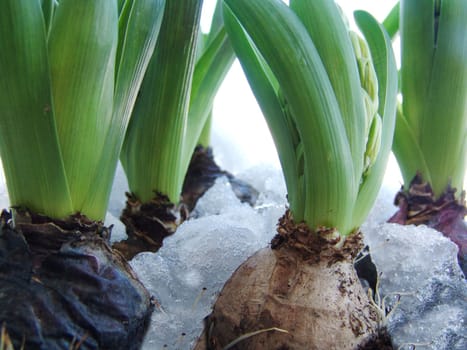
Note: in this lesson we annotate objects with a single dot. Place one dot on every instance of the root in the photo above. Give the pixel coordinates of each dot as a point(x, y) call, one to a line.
point(384, 310)
point(198, 298)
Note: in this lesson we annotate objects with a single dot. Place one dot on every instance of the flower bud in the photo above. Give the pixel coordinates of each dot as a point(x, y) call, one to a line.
point(369, 84)
point(373, 144)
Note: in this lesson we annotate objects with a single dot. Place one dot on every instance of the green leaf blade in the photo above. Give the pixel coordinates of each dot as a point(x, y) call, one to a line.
point(391, 22)
point(417, 48)
point(443, 127)
point(264, 87)
point(137, 41)
point(28, 140)
point(153, 146)
point(209, 73)
point(407, 151)
point(82, 46)
point(434, 91)
point(48, 8)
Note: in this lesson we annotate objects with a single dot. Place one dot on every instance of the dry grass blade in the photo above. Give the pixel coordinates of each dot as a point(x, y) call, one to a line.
point(77, 342)
point(5, 341)
point(252, 334)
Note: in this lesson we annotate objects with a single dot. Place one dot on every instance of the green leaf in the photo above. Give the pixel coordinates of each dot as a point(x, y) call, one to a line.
point(405, 147)
point(204, 139)
point(210, 70)
point(217, 24)
point(443, 126)
point(217, 21)
point(122, 4)
point(434, 90)
point(221, 64)
point(153, 147)
point(48, 8)
point(391, 22)
point(265, 88)
point(82, 46)
point(29, 145)
point(125, 10)
point(417, 48)
point(137, 43)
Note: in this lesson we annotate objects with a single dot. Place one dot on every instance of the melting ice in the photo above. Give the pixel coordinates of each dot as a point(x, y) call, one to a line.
point(190, 269)
point(419, 266)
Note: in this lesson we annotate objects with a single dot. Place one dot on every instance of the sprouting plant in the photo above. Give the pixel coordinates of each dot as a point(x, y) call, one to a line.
point(70, 72)
point(332, 127)
point(431, 127)
point(329, 98)
point(175, 101)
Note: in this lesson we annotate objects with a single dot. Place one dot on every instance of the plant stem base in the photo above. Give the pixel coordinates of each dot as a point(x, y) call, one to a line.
point(62, 286)
point(147, 224)
point(419, 206)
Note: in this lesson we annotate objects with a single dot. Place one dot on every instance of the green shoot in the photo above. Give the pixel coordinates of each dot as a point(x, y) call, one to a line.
point(64, 93)
point(320, 89)
point(175, 101)
point(431, 127)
